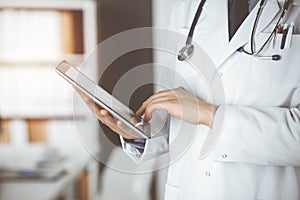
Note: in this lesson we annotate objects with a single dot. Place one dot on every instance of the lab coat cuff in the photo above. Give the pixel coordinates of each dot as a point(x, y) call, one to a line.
point(214, 134)
point(228, 147)
point(153, 147)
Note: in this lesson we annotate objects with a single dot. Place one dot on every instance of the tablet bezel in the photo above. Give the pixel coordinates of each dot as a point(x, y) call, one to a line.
point(62, 70)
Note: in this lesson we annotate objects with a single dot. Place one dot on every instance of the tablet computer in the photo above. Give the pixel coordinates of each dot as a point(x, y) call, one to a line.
point(104, 99)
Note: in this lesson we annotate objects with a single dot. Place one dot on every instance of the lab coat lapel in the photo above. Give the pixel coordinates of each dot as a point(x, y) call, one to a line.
point(241, 37)
point(243, 34)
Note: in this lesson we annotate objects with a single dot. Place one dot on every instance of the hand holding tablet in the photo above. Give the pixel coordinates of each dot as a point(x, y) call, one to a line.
point(107, 119)
point(106, 108)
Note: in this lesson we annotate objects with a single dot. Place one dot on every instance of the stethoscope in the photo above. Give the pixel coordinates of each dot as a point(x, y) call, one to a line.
point(188, 49)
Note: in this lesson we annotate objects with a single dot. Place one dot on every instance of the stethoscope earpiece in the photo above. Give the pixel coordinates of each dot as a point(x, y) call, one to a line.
point(276, 57)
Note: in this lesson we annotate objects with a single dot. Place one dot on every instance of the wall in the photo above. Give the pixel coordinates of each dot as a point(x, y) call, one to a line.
point(116, 16)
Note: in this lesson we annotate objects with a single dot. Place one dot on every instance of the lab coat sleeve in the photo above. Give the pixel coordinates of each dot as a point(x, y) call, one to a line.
point(260, 135)
point(157, 145)
point(153, 147)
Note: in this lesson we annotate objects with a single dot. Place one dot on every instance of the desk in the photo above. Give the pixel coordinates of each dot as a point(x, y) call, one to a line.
point(41, 190)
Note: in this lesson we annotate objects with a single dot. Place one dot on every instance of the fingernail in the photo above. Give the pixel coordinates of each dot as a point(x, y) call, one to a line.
point(145, 118)
point(103, 112)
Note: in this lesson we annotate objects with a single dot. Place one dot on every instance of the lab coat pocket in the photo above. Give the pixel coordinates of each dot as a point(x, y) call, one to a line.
point(284, 73)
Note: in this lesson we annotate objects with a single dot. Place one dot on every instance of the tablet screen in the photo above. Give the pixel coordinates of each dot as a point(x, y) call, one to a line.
point(103, 98)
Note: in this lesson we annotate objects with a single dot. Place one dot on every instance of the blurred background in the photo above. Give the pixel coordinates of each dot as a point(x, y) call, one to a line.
point(41, 156)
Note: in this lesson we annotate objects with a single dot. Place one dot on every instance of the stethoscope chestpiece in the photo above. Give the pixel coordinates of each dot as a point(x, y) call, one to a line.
point(185, 52)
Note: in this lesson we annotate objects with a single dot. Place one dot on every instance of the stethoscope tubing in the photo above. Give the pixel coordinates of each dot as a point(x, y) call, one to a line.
point(252, 46)
point(187, 50)
point(194, 23)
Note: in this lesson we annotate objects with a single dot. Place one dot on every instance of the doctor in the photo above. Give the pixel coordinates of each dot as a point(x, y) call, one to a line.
point(258, 153)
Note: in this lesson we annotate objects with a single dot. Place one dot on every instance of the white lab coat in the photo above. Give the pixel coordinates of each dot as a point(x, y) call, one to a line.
point(258, 153)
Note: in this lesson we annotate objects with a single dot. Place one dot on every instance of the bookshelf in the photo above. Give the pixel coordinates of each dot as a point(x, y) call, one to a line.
point(36, 35)
point(68, 8)
point(36, 104)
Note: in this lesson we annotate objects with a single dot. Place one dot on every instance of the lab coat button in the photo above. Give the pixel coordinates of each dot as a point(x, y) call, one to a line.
point(224, 155)
point(220, 74)
point(138, 155)
point(207, 173)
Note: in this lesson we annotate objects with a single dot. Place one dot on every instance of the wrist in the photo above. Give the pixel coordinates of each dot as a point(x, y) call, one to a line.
point(209, 115)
